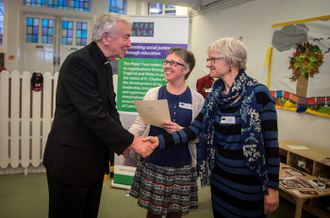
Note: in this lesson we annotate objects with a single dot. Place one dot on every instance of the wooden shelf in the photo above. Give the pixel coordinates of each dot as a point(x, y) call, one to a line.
point(310, 162)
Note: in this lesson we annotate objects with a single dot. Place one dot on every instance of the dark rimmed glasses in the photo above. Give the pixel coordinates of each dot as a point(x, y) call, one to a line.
point(172, 63)
point(212, 60)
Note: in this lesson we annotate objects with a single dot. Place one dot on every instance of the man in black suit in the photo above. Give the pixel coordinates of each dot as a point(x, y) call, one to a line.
point(86, 123)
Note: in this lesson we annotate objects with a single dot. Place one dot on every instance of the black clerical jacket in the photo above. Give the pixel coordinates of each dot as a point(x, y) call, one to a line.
point(86, 122)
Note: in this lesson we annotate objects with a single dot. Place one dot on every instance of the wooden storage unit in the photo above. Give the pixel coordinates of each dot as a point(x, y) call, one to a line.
point(312, 158)
point(309, 162)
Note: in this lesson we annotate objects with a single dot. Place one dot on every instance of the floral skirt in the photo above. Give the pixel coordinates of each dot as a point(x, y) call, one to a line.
point(165, 189)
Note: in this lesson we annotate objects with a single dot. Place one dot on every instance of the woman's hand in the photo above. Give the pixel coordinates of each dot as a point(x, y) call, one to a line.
point(153, 140)
point(170, 126)
point(271, 201)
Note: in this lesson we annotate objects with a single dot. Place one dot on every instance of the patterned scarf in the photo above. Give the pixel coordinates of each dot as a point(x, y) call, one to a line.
point(253, 147)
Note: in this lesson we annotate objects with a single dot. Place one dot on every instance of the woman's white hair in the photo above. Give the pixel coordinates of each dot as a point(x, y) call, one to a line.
point(107, 23)
point(232, 49)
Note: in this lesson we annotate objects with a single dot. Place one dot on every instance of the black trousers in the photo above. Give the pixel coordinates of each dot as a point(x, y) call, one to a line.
point(69, 201)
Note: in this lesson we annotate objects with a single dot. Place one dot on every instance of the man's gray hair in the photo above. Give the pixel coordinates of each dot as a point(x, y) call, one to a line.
point(107, 23)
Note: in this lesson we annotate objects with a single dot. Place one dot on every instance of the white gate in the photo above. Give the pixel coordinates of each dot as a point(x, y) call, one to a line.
point(25, 119)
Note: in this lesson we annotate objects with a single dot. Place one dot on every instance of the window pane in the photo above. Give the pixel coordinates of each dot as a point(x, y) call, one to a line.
point(117, 6)
point(77, 5)
point(170, 9)
point(29, 30)
point(170, 6)
point(70, 33)
point(156, 8)
point(35, 22)
point(67, 32)
point(70, 25)
point(32, 30)
point(36, 3)
point(84, 26)
point(120, 4)
point(47, 31)
point(60, 4)
point(81, 34)
point(112, 3)
point(170, 12)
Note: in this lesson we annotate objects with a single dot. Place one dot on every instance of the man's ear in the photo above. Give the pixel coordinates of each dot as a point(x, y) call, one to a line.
point(105, 36)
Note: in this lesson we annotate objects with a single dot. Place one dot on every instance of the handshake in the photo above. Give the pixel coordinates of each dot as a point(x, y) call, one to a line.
point(145, 146)
point(142, 146)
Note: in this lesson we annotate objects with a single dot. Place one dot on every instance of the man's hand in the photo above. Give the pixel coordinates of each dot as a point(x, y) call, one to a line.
point(144, 148)
point(126, 152)
point(271, 201)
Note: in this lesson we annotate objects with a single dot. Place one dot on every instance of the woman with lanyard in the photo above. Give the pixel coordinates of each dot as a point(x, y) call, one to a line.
point(238, 153)
point(165, 183)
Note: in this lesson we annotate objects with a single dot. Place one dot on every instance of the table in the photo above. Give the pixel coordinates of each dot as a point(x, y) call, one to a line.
point(312, 168)
point(299, 200)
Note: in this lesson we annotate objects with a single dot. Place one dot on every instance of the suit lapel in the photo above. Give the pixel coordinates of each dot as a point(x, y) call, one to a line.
point(109, 84)
point(104, 72)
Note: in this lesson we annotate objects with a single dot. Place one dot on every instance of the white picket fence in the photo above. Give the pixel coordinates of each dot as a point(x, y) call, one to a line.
point(25, 120)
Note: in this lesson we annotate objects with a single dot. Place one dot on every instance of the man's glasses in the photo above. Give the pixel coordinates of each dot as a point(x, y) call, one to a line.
point(212, 60)
point(172, 63)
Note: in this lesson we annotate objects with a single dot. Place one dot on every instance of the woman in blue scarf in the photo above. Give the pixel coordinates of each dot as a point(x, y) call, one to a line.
point(238, 152)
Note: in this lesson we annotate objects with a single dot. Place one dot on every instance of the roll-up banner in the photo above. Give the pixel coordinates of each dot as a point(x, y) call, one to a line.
point(141, 69)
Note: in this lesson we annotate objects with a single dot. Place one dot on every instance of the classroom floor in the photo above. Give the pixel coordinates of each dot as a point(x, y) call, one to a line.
point(26, 196)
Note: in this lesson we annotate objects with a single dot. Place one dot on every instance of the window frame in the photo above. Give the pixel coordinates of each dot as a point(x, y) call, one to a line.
point(116, 9)
point(164, 9)
point(72, 5)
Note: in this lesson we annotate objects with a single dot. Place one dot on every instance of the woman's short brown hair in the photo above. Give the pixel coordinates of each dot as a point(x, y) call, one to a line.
point(187, 58)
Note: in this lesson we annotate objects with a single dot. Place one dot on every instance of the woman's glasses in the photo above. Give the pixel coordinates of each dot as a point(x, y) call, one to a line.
point(172, 63)
point(212, 60)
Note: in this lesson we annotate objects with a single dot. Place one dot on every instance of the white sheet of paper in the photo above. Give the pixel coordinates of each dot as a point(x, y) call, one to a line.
point(153, 112)
point(298, 147)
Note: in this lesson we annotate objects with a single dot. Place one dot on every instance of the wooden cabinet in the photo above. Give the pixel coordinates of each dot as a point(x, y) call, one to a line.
point(310, 162)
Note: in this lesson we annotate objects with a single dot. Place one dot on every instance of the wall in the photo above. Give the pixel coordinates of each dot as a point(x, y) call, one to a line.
point(253, 22)
point(137, 8)
point(250, 20)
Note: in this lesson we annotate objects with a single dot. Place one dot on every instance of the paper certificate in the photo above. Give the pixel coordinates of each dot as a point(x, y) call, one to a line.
point(153, 112)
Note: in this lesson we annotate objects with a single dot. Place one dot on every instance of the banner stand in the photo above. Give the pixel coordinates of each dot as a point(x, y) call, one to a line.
point(141, 69)
point(123, 175)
